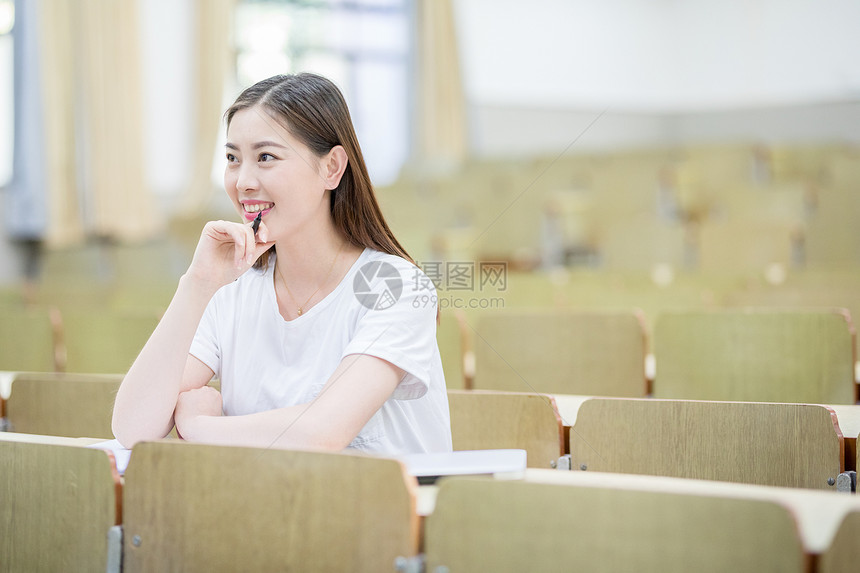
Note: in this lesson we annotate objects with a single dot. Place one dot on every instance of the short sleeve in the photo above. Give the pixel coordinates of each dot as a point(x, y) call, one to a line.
point(399, 321)
point(205, 345)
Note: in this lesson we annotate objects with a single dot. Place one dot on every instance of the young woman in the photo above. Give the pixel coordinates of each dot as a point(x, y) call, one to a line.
point(320, 328)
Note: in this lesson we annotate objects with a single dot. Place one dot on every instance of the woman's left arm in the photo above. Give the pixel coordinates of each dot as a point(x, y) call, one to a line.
point(355, 391)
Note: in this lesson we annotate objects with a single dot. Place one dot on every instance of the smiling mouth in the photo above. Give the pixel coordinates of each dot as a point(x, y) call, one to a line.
point(256, 208)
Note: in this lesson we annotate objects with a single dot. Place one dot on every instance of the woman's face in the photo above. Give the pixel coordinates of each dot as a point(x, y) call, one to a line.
point(269, 170)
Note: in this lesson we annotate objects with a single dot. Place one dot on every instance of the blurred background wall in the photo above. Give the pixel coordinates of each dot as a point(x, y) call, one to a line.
point(625, 135)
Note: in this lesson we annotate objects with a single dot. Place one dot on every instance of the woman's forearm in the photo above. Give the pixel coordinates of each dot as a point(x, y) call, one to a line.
point(289, 427)
point(144, 404)
point(356, 390)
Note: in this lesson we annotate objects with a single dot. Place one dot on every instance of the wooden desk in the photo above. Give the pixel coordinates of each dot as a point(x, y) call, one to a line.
point(46, 439)
point(5, 386)
point(59, 500)
point(6, 378)
point(818, 513)
point(848, 417)
point(568, 407)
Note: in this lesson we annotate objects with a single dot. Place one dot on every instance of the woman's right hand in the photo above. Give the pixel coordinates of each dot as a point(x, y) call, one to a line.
point(226, 250)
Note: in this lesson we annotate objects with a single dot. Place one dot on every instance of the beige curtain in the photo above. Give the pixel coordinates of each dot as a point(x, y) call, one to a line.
point(213, 63)
point(117, 202)
point(58, 72)
point(93, 113)
point(442, 138)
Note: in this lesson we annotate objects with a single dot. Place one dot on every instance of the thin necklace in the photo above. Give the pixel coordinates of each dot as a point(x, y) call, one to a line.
point(327, 275)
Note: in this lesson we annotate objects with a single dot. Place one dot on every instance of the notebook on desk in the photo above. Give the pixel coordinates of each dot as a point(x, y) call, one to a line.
point(426, 467)
point(430, 467)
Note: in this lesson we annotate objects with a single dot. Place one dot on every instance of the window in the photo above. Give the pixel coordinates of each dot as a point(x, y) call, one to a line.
point(7, 113)
point(364, 46)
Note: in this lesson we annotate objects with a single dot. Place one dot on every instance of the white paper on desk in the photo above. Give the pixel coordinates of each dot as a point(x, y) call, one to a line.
point(465, 462)
point(121, 454)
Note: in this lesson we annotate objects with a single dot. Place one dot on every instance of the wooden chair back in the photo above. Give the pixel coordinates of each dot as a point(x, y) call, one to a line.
point(104, 341)
point(843, 555)
point(487, 420)
point(192, 507)
point(59, 500)
point(511, 525)
point(790, 445)
point(756, 355)
point(28, 338)
point(73, 405)
point(450, 337)
point(561, 352)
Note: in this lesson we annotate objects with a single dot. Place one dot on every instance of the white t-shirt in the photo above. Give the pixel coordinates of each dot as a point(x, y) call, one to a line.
point(384, 307)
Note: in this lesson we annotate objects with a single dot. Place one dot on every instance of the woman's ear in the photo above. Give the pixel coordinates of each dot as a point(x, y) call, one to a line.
point(334, 164)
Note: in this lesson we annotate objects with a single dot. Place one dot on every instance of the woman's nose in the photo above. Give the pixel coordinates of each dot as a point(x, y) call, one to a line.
point(246, 179)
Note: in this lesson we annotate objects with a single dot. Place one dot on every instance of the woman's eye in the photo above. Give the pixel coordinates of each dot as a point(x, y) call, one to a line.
point(231, 158)
point(266, 157)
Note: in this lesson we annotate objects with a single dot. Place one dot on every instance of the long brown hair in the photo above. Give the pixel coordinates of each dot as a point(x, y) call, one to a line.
point(313, 109)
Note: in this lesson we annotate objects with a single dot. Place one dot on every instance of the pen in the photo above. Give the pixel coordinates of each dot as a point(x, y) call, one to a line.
point(256, 223)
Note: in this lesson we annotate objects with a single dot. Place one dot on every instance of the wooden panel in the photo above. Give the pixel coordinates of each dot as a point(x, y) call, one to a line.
point(756, 355)
point(63, 404)
point(561, 352)
point(843, 555)
point(204, 508)
point(487, 420)
point(791, 445)
point(487, 525)
point(58, 503)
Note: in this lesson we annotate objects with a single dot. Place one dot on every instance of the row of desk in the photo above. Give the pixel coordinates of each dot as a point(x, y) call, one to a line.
point(191, 507)
point(789, 445)
point(795, 445)
point(753, 354)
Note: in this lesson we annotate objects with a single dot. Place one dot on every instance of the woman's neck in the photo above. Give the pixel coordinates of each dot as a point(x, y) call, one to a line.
point(307, 270)
point(314, 260)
